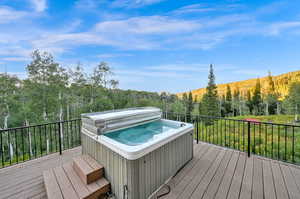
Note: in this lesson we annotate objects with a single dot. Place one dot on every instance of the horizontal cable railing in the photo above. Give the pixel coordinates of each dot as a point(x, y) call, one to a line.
point(29, 142)
point(271, 140)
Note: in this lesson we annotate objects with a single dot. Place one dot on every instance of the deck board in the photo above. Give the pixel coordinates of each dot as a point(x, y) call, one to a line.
point(226, 181)
point(257, 185)
point(290, 182)
point(246, 189)
point(280, 187)
point(216, 181)
point(234, 177)
point(269, 189)
point(26, 180)
point(214, 172)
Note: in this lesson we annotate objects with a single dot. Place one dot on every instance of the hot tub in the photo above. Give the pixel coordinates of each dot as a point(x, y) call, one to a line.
point(140, 156)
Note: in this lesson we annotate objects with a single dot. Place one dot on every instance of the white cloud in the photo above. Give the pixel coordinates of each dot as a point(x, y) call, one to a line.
point(189, 67)
point(15, 50)
point(7, 14)
point(15, 59)
point(147, 25)
point(179, 67)
point(65, 41)
point(144, 73)
point(39, 5)
point(194, 8)
point(134, 3)
point(113, 55)
point(277, 28)
point(87, 4)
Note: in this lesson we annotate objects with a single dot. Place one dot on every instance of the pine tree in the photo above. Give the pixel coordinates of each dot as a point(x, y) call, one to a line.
point(210, 104)
point(293, 100)
point(190, 106)
point(271, 98)
point(257, 98)
point(228, 101)
point(237, 109)
point(249, 103)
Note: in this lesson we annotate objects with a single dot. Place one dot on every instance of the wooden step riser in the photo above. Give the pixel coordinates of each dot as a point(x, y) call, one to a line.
point(88, 178)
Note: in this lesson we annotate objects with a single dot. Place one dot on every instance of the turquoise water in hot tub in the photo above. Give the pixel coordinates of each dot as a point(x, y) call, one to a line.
point(141, 134)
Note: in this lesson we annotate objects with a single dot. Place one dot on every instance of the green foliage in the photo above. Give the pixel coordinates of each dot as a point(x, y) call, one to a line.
point(228, 101)
point(265, 139)
point(271, 98)
point(279, 119)
point(190, 104)
point(257, 99)
point(210, 102)
point(52, 93)
point(292, 102)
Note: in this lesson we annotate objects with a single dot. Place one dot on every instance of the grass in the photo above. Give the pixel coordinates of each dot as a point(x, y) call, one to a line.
point(274, 141)
point(281, 119)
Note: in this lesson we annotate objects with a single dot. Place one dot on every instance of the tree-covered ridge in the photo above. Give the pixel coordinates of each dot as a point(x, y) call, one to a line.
point(234, 103)
point(52, 92)
point(281, 85)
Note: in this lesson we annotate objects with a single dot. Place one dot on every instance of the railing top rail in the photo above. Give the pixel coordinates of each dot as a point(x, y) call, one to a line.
point(238, 120)
point(37, 125)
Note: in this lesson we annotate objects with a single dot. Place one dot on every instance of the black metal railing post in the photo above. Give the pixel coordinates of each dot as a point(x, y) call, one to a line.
point(197, 121)
point(249, 139)
point(59, 137)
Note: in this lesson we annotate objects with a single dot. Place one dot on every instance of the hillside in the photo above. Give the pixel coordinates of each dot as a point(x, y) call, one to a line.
point(282, 83)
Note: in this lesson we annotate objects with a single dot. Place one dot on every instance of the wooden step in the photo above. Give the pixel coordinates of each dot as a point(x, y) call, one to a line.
point(63, 183)
point(88, 169)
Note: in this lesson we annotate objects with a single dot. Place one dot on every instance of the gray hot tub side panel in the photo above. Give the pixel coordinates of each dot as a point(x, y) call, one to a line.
point(146, 174)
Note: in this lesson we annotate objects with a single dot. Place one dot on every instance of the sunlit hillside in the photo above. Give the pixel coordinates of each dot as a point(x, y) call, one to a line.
point(282, 83)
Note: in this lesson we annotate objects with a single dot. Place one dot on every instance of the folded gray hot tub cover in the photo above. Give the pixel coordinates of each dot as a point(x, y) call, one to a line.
point(102, 122)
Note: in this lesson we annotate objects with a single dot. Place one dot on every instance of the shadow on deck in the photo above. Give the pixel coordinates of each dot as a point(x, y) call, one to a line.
point(25, 180)
point(217, 172)
point(214, 172)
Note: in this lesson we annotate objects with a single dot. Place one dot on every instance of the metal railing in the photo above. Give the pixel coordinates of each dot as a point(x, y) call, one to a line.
point(276, 141)
point(29, 142)
point(271, 140)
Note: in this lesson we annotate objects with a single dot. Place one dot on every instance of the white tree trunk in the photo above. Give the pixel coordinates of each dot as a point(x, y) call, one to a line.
point(61, 119)
point(46, 118)
point(29, 134)
point(68, 111)
point(278, 108)
point(10, 146)
point(11, 151)
point(296, 112)
point(240, 108)
point(267, 108)
point(6, 120)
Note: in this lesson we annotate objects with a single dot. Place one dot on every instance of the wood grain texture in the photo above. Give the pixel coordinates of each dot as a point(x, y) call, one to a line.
point(282, 178)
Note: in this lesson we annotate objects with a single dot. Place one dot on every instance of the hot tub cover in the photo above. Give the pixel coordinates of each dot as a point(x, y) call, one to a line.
point(108, 121)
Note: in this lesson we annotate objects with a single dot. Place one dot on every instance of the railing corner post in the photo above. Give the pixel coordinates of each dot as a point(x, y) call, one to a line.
point(249, 139)
point(59, 137)
point(197, 131)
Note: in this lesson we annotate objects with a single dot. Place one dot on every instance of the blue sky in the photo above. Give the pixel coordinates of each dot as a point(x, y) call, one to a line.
point(155, 45)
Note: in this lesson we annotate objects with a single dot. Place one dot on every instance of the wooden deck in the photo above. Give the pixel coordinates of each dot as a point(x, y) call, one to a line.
point(219, 173)
point(26, 180)
point(214, 172)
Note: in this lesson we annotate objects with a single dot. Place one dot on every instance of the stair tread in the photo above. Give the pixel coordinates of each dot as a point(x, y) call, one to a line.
point(63, 182)
point(51, 185)
point(88, 169)
point(92, 162)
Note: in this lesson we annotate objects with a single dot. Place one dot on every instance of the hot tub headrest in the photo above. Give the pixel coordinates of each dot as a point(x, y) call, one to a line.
point(102, 122)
